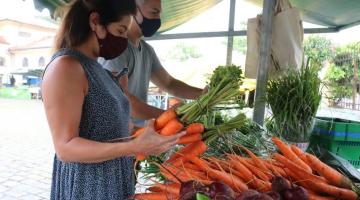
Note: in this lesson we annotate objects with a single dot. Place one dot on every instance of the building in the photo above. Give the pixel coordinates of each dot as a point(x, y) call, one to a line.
point(25, 41)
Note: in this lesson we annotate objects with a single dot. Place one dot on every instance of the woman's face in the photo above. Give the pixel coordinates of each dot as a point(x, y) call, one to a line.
point(118, 28)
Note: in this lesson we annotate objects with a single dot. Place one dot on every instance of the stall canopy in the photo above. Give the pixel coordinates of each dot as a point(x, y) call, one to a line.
point(337, 14)
point(174, 13)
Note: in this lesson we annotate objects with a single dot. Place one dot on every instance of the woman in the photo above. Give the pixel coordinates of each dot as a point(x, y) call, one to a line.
point(86, 109)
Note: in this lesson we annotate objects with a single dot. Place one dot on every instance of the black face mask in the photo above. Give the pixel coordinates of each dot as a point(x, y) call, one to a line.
point(112, 46)
point(149, 26)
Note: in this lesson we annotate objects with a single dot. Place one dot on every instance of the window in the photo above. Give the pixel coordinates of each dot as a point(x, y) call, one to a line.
point(2, 61)
point(41, 61)
point(25, 62)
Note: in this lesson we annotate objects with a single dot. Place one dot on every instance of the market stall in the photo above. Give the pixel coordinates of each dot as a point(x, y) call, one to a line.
point(225, 155)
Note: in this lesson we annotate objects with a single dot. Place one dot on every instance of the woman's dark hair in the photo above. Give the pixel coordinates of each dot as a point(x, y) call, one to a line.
point(75, 28)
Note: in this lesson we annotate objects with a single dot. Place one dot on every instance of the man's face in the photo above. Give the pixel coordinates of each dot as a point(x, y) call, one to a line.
point(150, 9)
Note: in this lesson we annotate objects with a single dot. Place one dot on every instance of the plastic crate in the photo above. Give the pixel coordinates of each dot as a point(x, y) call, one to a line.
point(339, 136)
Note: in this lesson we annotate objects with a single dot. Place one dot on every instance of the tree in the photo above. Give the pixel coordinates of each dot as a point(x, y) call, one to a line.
point(317, 49)
point(183, 52)
point(340, 75)
point(240, 44)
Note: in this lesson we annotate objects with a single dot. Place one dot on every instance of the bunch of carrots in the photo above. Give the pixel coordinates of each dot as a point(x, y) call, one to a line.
point(243, 173)
point(168, 124)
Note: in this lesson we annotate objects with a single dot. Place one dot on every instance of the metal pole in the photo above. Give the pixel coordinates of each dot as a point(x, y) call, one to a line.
point(355, 79)
point(265, 49)
point(230, 43)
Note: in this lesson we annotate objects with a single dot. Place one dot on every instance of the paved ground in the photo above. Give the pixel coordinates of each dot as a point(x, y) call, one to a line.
point(26, 151)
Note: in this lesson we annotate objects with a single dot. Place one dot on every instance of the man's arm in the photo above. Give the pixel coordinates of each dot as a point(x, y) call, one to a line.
point(165, 81)
point(139, 109)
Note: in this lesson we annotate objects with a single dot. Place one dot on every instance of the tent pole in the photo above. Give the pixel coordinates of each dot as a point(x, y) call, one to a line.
point(265, 49)
point(230, 43)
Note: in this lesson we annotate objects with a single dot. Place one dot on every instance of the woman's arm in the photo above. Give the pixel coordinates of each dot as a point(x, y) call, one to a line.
point(140, 109)
point(64, 88)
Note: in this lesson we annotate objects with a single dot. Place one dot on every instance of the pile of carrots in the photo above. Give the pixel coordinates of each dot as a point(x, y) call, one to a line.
point(243, 173)
point(167, 124)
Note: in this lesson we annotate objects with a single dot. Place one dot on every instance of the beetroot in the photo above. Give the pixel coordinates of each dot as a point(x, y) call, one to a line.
point(248, 195)
point(274, 195)
point(296, 193)
point(218, 190)
point(280, 184)
point(189, 189)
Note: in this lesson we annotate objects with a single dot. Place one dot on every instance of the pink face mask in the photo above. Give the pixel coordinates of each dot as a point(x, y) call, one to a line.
point(112, 46)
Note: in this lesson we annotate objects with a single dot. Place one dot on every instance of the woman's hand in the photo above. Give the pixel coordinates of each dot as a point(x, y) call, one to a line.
point(152, 143)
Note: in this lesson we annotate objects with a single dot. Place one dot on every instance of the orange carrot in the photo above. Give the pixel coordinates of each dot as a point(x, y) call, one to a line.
point(171, 128)
point(140, 157)
point(317, 197)
point(278, 171)
point(228, 179)
point(195, 128)
point(165, 118)
point(173, 188)
point(300, 154)
point(194, 149)
point(246, 173)
point(297, 169)
point(138, 132)
point(187, 139)
point(288, 153)
point(256, 171)
point(154, 189)
point(333, 176)
point(151, 196)
point(259, 163)
point(333, 191)
point(191, 166)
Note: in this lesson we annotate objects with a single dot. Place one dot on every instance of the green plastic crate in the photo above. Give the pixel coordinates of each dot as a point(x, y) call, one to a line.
point(339, 136)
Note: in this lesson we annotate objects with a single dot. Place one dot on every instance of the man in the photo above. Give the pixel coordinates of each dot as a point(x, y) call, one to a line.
point(141, 65)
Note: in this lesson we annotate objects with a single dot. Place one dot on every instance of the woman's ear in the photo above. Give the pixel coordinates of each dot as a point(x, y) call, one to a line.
point(95, 26)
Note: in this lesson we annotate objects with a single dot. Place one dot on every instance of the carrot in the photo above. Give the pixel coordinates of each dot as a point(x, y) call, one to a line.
point(191, 166)
point(151, 196)
point(171, 128)
point(317, 197)
point(187, 139)
point(173, 188)
point(154, 189)
point(333, 191)
point(138, 132)
point(194, 149)
point(195, 128)
point(228, 179)
point(288, 153)
point(300, 154)
point(278, 171)
point(259, 163)
point(164, 118)
point(333, 176)
point(246, 173)
point(256, 171)
point(297, 169)
point(140, 157)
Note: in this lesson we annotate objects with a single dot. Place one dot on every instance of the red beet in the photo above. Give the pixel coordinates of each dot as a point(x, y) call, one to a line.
point(274, 195)
point(248, 195)
point(280, 184)
point(218, 190)
point(296, 193)
point(189, 189)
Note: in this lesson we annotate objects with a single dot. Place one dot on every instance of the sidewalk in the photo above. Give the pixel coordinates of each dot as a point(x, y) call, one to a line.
point(26, 151)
